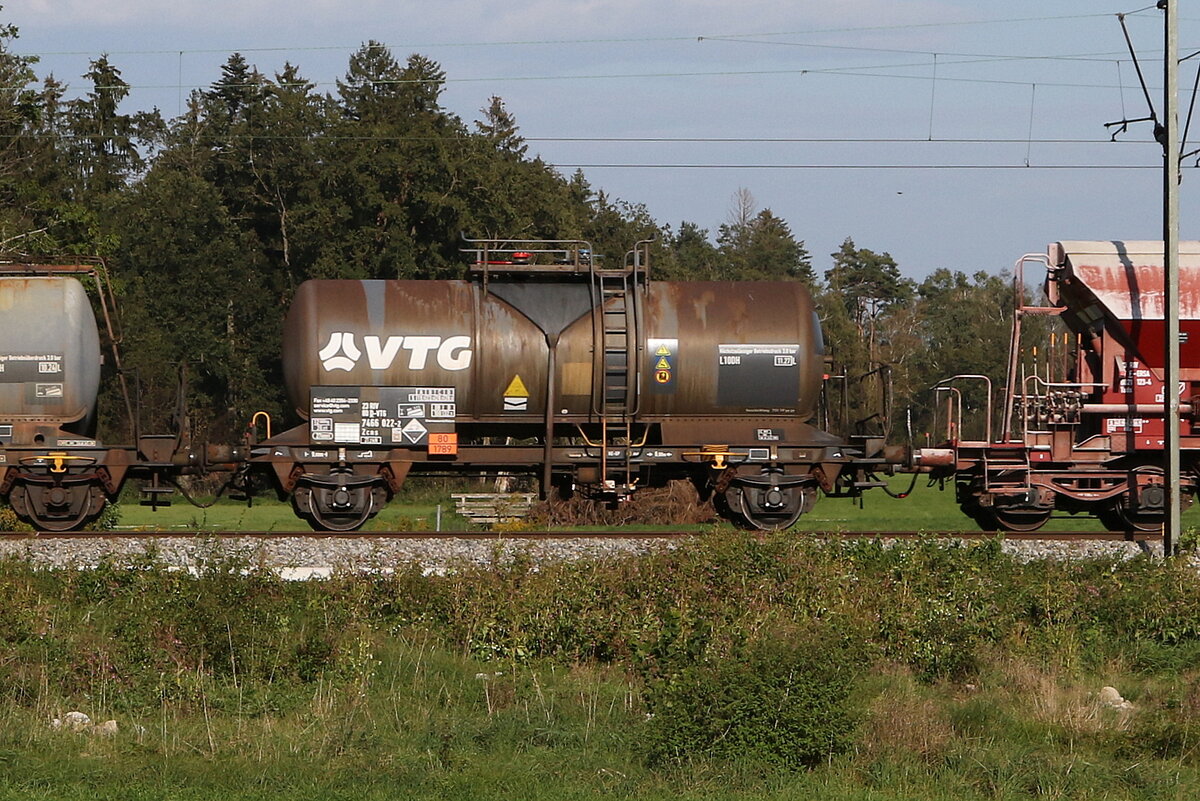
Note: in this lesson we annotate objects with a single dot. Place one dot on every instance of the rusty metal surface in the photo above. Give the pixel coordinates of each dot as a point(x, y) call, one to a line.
point(49, 356)
point(455, 334)
point(1121, 360)
point(718, 321)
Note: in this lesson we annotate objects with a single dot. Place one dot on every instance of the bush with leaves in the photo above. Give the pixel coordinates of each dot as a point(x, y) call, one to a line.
point(783, 700)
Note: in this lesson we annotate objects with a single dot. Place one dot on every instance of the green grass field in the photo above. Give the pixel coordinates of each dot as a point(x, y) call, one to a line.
point(269, 514)
point(743, 667)
point(927, 508)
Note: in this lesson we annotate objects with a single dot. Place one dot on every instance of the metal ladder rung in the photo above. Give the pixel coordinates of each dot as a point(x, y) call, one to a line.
point(613, 349)
point(994, 467)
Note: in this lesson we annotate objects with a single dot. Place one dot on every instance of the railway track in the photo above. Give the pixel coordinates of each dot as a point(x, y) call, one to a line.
point(303, 555)
point(623, 534)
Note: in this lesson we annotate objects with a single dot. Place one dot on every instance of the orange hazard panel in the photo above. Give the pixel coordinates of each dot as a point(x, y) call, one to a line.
point(443, 444)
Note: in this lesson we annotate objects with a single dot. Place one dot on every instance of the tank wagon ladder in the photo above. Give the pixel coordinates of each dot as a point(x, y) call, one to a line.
point(618, 356)
point(614, 301)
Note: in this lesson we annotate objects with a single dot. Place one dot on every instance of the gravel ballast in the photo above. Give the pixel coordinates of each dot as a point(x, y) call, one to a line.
point(300, 557)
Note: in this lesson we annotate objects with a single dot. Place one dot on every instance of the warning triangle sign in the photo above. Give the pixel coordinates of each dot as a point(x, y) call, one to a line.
point(663, 364)
point(516, 388)
point(663, 350)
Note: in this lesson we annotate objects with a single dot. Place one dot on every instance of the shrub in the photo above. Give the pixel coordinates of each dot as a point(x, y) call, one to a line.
point(107, 521)
point(9, 520)
point(782, 701)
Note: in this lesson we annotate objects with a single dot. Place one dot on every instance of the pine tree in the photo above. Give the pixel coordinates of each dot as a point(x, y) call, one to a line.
point(867, 282)
point(105, 139)
point(691, 256)
point(760, 246)
point(372, 83)
point(499, 128)
point(27, 148)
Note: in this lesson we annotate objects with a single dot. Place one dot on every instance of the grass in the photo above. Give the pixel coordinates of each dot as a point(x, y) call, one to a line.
point(928, 508)
point(972, 676)
point(416, 721)
point(425, 727)
point(272, 515)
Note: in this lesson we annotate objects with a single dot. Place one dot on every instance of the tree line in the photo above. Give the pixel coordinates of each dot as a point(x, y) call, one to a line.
point(208, 222)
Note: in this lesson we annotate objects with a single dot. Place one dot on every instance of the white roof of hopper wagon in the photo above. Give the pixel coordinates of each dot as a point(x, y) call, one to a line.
point(1127, 277)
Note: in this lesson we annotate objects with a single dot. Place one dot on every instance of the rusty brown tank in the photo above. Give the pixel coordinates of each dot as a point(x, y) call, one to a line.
point(703, 349)
point(596, 379)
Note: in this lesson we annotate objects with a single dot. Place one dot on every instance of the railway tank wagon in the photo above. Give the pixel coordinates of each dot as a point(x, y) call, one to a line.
point(49, 380)
point(54, 472)
point(1082, 423)
point(596, 379)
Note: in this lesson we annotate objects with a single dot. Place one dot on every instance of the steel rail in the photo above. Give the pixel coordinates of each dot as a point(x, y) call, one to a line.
point(633, 534)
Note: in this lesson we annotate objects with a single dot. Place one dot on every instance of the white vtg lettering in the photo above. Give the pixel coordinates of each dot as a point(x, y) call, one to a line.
point(341, 353)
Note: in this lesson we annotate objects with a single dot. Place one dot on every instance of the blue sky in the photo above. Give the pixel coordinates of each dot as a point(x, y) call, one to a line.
point(950, 133)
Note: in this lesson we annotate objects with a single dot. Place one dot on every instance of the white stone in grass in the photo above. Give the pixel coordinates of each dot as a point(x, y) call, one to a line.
point(76, 721)
point(1111, 698)
point(108, 728)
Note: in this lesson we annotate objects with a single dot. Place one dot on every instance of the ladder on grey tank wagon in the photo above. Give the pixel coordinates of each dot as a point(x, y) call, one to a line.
point(617, 295)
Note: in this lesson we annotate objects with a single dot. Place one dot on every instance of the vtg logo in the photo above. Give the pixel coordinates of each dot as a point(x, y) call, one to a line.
point(341, 352)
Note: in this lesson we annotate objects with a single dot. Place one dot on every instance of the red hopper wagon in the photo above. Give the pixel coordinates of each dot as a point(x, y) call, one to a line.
point(1081, 419)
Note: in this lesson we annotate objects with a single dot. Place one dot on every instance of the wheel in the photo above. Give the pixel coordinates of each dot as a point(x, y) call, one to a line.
point(1119, 517)
point(767, 521)
point(770, 508)
point(1020, 519)
point(57, 507)
point(982, 517)
point(968, 502)
point(338, 508)
point(1146, 518)
point(998, 518)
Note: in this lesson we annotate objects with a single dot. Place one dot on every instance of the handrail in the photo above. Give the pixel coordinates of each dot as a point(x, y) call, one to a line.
point(1014, 345)
point(946, 384)
point(1062, 385)
point(952, 425)
point(255, 418)
point(631, 444)
point(575, 254)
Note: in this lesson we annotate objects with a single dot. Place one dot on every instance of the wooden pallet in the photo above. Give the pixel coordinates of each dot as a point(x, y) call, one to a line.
point(493, 507)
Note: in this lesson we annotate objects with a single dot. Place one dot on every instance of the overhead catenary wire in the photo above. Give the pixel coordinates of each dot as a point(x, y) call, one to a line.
point(1029, 138)
point(753, 38)
point(940, 62)
point(975, 58)
point(852, 72)
point(827, 140)
point(584, 41)
point(932, 94)
point(848, 166)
